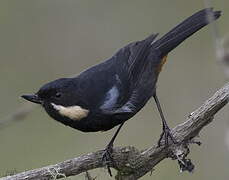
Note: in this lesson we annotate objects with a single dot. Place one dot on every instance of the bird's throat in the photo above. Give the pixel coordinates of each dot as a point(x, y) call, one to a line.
point(74, 113)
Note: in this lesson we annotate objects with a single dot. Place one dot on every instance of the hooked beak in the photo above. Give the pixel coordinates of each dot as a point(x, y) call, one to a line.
point(32, 98)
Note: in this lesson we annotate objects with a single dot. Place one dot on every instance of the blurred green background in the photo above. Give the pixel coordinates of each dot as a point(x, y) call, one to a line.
point(47, 39)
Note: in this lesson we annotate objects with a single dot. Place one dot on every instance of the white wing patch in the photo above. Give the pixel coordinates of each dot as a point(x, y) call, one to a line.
point(72, 112)
point(111, 98)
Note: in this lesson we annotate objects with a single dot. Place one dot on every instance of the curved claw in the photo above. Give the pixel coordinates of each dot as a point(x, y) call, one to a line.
point(166, 134)
point(107, 158)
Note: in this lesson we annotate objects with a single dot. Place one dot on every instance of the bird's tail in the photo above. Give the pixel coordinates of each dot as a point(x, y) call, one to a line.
point(185, 29)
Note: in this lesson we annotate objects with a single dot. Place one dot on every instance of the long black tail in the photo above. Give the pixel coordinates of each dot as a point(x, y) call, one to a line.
point(185, 29)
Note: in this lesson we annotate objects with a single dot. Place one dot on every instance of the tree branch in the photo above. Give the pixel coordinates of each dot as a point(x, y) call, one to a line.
point(130, 162)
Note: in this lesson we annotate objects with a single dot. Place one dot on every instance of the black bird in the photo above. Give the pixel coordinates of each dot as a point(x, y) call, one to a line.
point(110, 93)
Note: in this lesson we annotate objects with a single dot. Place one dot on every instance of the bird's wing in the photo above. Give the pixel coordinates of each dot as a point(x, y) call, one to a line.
point(123, 83)
point(138, 57)
point(137, 80)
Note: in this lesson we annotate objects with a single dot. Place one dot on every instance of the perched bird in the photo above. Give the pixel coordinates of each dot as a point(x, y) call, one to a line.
point(110, 93)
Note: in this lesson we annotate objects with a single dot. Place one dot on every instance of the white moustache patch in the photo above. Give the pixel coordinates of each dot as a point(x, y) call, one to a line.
point(72, 112)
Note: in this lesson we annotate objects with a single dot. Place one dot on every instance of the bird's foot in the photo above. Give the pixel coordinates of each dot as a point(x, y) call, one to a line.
point(165, 136)
point(107, 157)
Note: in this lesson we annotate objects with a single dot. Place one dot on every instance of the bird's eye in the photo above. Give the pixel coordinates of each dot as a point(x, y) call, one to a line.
point(58, 95)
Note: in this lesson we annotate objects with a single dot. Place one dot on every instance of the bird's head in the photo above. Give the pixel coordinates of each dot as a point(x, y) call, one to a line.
point(61, 99)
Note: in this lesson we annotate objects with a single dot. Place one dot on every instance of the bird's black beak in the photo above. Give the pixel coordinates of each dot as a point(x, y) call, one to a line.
point(33, 98)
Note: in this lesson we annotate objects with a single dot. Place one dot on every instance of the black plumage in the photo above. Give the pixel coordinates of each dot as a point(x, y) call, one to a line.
point(113, 91)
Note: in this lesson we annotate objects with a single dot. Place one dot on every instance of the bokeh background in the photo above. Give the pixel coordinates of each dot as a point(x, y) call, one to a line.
point(47, 39)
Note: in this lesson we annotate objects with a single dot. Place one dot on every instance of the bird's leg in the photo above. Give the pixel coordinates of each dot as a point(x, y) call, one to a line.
point(107, 155)
point(166, 130)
